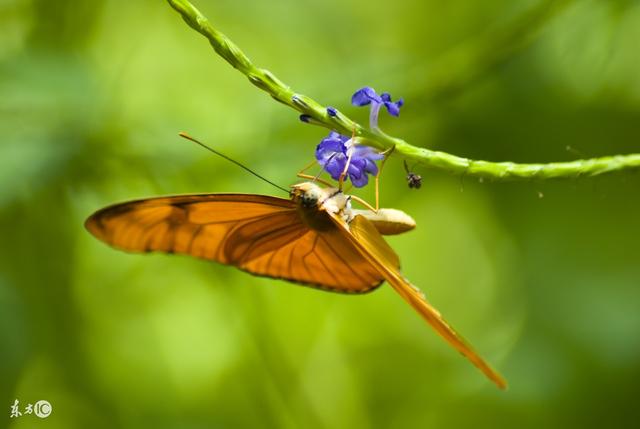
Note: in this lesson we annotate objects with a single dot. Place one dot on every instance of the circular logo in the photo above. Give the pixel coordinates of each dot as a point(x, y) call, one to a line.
point(42, 409)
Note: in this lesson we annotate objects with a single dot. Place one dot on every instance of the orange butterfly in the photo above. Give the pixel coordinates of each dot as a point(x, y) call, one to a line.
point(314, 238)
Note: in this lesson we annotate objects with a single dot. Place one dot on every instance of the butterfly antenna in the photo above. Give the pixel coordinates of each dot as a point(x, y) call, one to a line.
point(188, 137)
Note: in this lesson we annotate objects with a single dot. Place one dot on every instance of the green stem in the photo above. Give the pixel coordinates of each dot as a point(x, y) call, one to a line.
point(269, 83)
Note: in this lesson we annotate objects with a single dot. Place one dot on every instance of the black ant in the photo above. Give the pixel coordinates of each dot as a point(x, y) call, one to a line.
point(413, 180)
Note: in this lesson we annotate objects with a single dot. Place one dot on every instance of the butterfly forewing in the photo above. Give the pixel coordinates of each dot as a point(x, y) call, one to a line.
point(192, 224)
point(370, 243)
point(259, 234)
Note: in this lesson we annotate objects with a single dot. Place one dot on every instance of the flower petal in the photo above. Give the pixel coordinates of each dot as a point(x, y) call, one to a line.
point(359, 181)
point(331, 154)
point(394, 108)
point(334, 150)
point(328, 148)
point(335, 166)
point(371, 168)
point(367, 152)
point(365, 96)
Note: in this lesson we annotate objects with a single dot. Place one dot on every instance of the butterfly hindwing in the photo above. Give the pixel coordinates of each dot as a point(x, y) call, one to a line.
point(323, 259)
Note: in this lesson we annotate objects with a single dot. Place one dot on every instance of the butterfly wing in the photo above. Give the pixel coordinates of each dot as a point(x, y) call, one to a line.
point(259, 234)
point(322, 259)
point(364, 236)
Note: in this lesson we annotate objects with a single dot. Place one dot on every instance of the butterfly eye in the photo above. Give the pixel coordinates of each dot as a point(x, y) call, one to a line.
point(309, 199)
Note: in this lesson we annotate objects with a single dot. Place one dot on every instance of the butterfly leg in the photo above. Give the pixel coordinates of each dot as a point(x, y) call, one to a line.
point(308, 166)
point(364, 203)
point(315, 178)
point(349, 155)
point(386, 154)
point(375, 209)
point(344, 172)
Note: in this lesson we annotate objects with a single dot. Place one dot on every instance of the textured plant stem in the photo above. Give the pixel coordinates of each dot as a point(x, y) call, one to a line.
point(318, 115)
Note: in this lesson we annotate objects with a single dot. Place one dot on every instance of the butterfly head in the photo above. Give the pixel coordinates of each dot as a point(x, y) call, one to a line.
point(307, 195)
point(312, 200)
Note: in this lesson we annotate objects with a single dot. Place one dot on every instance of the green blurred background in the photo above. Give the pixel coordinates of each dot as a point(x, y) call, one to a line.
point(542, 277)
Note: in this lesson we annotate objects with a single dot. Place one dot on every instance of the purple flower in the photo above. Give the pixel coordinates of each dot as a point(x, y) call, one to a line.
point(368, 95)
point(332, 154)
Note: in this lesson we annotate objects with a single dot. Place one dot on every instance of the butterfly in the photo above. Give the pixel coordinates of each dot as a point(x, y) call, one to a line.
point(313, 238)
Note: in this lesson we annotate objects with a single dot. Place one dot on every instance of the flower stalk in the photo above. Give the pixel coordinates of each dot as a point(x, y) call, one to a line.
point(317, 114)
